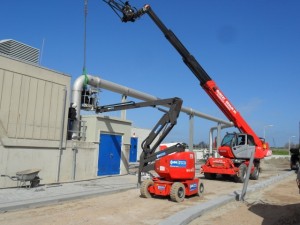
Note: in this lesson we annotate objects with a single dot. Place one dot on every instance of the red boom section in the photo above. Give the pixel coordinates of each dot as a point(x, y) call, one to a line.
point(233, 115)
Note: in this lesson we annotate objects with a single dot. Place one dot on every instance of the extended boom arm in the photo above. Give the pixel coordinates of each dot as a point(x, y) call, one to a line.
point(127, 13)
point(158, 133)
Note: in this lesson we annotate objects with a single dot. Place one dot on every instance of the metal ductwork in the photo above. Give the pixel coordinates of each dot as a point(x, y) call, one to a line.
point(97, 82)
point(19, 50)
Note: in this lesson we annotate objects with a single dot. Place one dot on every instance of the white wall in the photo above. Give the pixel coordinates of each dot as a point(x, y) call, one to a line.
point(13, 160)
point(141, 134)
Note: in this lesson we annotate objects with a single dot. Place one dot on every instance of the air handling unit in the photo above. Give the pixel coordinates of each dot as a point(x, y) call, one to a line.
point(19, 50)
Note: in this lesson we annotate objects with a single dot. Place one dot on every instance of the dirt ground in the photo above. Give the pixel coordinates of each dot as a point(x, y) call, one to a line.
point(275, 205)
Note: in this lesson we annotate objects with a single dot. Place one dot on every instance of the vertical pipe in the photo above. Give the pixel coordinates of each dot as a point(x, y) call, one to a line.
point(62, 133)
point(219, 128)
point(219, 135)
point(123, 112)
point(74, 149)
point(211, 141)
point(191, 132)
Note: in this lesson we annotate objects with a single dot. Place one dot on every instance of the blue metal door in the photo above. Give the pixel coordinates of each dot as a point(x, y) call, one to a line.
point(109, 154)
point(133, 149)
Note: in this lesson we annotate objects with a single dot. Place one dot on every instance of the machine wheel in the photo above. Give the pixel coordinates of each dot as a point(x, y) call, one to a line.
point(241, 176)
point(255, 174)
point(200, 188)
point(35, 182)
point(210, 176)
point(226, 176)
point(144, 188)
point(177, 192)
point(295, 166)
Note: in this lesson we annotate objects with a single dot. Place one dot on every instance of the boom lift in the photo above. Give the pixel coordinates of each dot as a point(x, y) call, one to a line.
point(235, 155)
point(175, 167)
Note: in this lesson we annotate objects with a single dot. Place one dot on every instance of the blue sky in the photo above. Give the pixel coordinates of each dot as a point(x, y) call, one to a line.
point(251, 49)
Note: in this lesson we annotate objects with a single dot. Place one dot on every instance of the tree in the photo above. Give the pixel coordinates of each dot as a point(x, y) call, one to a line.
point(201, 144)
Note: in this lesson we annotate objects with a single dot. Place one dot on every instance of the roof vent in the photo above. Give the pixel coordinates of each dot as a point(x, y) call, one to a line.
point(19, 50)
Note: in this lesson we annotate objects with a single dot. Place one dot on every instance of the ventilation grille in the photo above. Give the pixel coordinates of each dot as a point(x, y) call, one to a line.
point(19, 50)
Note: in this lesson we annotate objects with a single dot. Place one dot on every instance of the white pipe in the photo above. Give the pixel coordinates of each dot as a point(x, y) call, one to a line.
point(100, 83)
point(211, 135)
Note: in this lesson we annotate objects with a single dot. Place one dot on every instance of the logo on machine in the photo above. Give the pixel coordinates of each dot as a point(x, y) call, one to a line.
point(161, 188)
point(160, 155)
point(225, 101)
point(178, 163)
point(193, 187)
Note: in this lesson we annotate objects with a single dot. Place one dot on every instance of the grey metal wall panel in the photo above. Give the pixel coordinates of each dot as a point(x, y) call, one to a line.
point(53, 114)
point(14, 106)
point(31, 102)
point(60, 105)
point(31, 108)
point(23, 107)
point(39, 109)
point(5, 100)
point(1, 84)
point(46, 111)
point(1, 87)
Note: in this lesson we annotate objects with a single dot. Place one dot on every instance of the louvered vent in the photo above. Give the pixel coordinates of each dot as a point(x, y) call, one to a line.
point(19, 50)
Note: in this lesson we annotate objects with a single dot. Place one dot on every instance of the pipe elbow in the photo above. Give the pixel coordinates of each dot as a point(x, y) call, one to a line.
point(78, 83)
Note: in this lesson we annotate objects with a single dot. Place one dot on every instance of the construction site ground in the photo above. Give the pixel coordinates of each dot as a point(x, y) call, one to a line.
point(275, 204)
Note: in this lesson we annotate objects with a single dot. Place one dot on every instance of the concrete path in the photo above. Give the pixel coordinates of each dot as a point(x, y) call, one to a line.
point(18, 198)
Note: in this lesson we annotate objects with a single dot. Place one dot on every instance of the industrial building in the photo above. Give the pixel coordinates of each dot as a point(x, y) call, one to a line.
point(34, 103)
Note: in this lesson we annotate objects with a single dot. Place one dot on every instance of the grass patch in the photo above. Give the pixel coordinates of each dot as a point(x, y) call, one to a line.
point(280, 151)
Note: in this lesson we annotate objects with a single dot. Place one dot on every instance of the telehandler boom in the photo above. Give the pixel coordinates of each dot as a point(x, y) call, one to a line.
point(235, 152)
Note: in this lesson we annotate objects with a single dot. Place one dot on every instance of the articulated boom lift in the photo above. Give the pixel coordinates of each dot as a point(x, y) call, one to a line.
point(236, 155)
point(175, 167)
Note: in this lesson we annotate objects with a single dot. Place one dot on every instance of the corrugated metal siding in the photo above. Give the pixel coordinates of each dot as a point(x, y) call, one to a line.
point(19, 50)
point(29, 107)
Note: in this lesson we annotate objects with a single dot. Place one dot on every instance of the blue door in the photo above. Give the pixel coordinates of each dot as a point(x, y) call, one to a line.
point(133, 149)
point(109, 154)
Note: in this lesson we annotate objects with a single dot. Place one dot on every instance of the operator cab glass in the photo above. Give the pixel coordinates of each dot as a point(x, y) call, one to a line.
point(233, 139)
point(228, 139)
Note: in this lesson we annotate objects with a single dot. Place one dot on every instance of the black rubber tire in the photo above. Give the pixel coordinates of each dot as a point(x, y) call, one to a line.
point(241, 176)
point(255, 174)
point(200, 188)
point(144, 188)
point(294, 167)
point(210, 176)
point(177, 192)
point(35, 182)
point(226, 176)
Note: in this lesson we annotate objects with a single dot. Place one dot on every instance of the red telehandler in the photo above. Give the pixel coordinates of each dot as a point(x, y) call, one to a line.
point(236, 148)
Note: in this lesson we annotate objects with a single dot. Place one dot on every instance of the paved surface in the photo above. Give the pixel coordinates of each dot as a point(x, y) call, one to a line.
point(18, 198)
